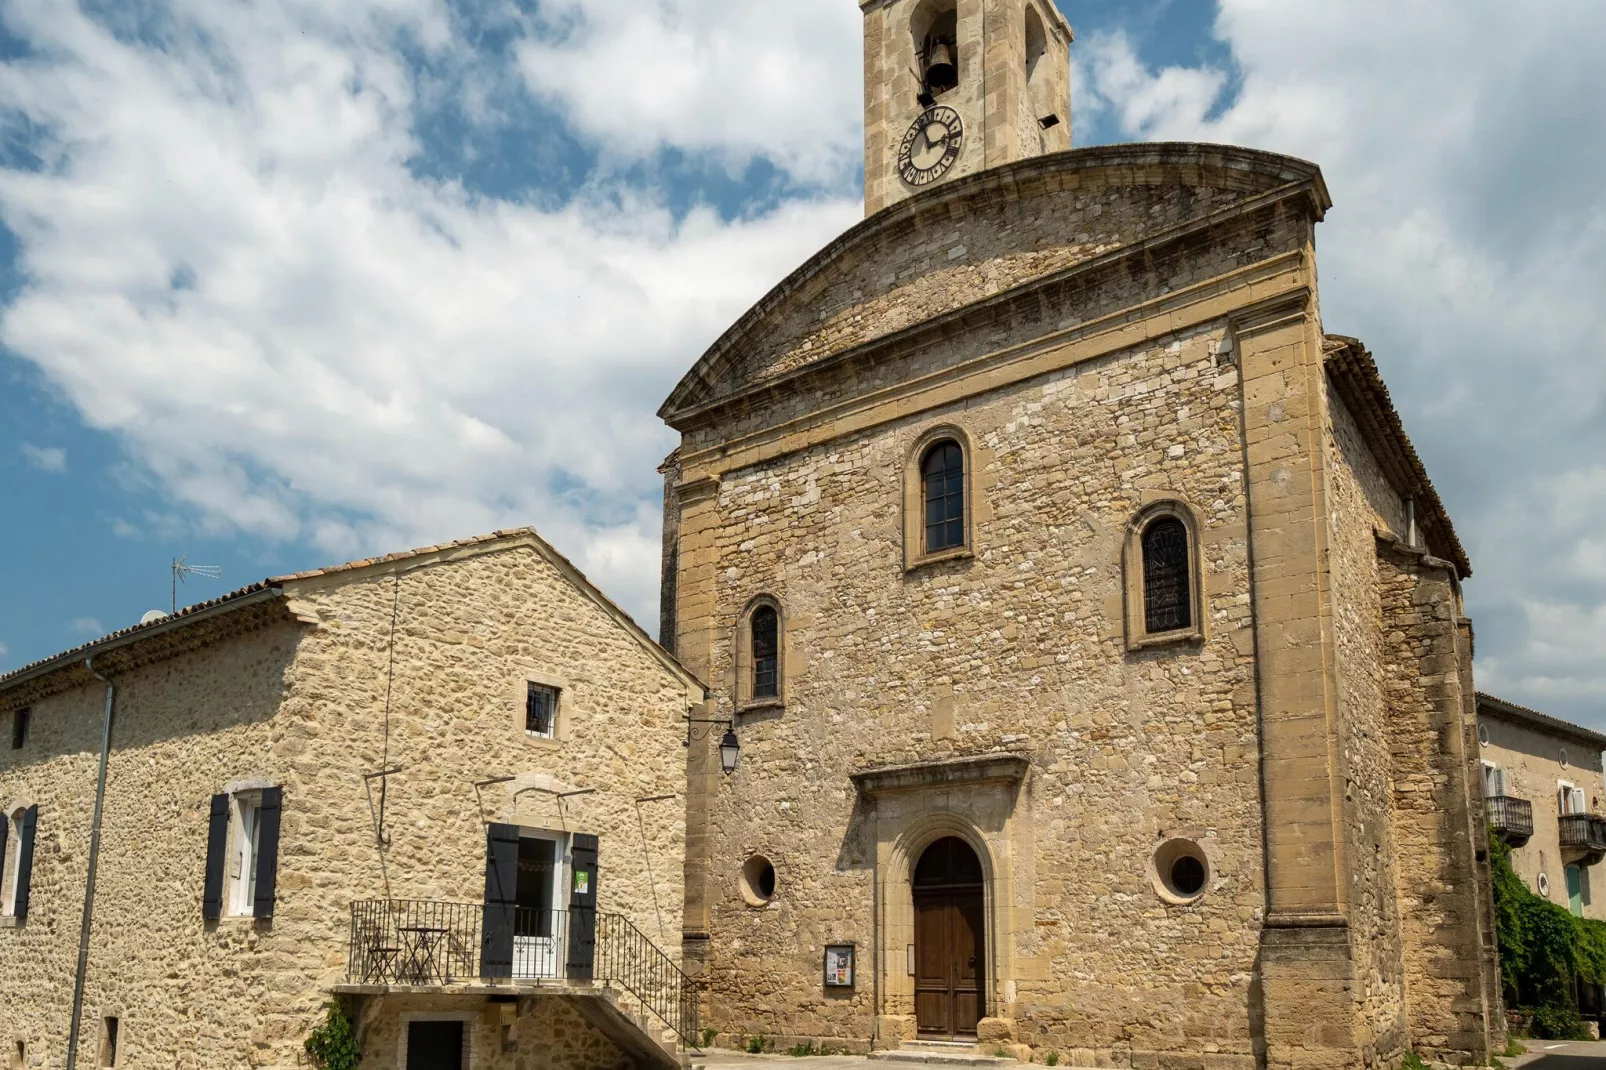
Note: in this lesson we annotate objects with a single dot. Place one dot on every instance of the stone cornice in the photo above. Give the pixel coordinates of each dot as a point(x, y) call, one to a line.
point(1161, 164)
point(948, 772)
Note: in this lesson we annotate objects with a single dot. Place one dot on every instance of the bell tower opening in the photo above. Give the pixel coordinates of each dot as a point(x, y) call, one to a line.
point(952, 87)
point(934, 31)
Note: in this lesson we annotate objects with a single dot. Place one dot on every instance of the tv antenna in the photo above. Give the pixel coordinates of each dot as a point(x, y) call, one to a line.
point(182, 568)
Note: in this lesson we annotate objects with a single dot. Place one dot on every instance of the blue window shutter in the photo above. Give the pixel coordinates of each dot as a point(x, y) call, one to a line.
point(267, 852)
point(217, 842)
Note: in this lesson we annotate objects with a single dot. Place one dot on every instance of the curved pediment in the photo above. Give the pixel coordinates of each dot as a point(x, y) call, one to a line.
point(974, 239)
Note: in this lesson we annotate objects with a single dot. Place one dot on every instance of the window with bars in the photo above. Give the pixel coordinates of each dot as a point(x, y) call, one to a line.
point(942, 473)
point(1167, 597)
point(541, 711)
point(766, 627)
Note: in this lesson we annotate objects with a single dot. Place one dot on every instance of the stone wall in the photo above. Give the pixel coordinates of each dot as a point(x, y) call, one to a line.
point(1362, 501)
point(533, 1033)
point(302, 705)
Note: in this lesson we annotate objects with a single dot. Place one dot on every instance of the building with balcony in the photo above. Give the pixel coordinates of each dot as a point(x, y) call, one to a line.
point(444, 787)
point(1542, 789)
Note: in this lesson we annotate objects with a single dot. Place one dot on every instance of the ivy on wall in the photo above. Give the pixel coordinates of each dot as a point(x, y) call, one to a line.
point(1544, 951)
point(333, 1045)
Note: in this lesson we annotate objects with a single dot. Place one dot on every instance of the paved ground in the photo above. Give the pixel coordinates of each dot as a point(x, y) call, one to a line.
point(1561, 1055)
point(1542, 1055)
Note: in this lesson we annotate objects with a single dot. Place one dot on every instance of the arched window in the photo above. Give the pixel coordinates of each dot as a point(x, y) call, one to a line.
point(1036, 43)
point(760, 668)
point(1164, 592)
point(765, 625)
point(1166, 582)
point(942, 475)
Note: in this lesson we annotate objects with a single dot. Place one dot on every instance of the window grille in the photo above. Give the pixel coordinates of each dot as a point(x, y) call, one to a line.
point(540, 710)
point(943, 473)
point(1167, 605)
point(766, 652)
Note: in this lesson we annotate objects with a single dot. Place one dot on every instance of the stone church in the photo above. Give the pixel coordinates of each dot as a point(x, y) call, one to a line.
point(1091, 630)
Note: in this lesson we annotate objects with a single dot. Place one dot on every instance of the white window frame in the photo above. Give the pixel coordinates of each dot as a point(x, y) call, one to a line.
point(560, 886)
point(8, 881)
point(1500, 777)
point(240, 865)
point(1574, 795)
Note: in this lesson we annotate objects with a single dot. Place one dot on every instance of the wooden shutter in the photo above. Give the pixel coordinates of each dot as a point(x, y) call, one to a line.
point(5, 833)
point(30, 821)
point(217, 842)
point(501, 900)
point(267, 859)
point(582, 907)
point(1580, 802)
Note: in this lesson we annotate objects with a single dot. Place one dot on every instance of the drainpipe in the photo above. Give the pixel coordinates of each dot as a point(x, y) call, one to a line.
point(94, 859)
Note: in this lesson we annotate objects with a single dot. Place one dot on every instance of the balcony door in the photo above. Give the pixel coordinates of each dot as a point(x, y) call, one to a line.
point(539, 922)
point(950, 945)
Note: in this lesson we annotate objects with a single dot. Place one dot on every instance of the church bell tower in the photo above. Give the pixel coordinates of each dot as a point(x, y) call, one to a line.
point(952, 87)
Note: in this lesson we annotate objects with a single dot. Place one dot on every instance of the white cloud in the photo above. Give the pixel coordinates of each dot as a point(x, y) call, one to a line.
point(87, 626)
point(45, 458)
point(1462, 143)
point(4, 650)
point(741, 79)
point(231, 265)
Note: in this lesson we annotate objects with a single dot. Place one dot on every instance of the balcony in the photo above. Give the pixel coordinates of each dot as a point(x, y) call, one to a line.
point(1511, 819)
point(402, 944)
point(1585, 834)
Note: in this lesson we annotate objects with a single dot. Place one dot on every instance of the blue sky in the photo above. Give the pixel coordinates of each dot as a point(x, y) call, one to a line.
point(291, 283)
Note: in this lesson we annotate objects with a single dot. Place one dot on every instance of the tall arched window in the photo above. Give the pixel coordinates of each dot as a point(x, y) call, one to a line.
point(942, 475)
point(1164, 588)
point(765, 625)
point(1166, 585)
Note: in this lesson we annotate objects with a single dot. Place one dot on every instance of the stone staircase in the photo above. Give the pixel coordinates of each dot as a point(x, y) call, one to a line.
point(944, 1053)
point(622, 1018)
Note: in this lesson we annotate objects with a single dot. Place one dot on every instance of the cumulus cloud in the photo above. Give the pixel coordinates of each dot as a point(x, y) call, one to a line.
point(88, 627)
point(1462, 143)
point(782, 81)
point(230, 262)
point(45, 458)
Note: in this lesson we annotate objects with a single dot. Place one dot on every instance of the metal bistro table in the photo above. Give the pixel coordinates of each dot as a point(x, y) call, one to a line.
point(421, 958)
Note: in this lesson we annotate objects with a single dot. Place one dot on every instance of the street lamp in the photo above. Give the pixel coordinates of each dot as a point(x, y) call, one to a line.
point(729, 751)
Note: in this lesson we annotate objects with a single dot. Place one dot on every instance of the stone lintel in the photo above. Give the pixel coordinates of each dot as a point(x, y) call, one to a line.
point(979, 769)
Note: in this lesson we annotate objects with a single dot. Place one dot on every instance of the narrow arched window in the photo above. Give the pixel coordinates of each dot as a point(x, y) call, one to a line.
point(942, 473)
point(1167, 598)
point(765, 625)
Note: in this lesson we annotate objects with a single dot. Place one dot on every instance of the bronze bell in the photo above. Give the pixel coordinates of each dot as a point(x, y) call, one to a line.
point(942, 66)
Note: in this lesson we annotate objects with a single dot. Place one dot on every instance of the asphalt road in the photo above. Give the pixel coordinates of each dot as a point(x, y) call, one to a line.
point(1561, 1055)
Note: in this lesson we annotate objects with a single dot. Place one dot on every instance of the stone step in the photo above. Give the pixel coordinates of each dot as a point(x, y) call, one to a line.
point(939, 1055)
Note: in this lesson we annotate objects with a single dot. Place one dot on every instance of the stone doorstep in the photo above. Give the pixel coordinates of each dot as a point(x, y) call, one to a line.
point(939, 1054)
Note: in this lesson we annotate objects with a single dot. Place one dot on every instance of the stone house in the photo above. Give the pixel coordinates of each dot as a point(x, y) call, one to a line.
point(1092, 631)
point(1542, 786)
point(444, 786)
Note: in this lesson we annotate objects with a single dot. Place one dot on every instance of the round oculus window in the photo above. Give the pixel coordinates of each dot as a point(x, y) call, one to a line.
point(1544, 884)
point(1181, 872)
point(1483, 734)
point(757, 881)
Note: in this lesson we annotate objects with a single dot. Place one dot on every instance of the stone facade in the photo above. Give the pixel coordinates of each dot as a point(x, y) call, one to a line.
point(1106, 336)
point(1532, 757)
point(314, 683)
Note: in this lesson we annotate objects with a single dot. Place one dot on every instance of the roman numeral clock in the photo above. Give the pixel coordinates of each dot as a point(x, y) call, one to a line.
point(931, 146)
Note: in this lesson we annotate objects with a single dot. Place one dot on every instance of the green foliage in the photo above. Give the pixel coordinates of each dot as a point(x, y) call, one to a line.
point(1052, 1058)
point(333, 1045)
point(758, 1045)
point(1412, 1061)
point(1513, 1049)
point(1543, 949)
point(1003, 1053)
point(709, 1033)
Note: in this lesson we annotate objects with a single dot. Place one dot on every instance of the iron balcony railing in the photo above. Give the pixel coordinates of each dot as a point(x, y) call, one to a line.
point(1583, 831)
point(1510, 818)
point(426, 943)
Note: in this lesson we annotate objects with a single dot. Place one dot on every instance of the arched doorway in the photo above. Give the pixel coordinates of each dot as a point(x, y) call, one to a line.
point(950, 947)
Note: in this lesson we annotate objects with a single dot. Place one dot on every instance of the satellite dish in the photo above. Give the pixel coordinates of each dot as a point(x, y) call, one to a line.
point(152, 616)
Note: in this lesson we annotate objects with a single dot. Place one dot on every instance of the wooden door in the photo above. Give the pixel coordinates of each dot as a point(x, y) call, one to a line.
point(950, 949)
point(434, 1046)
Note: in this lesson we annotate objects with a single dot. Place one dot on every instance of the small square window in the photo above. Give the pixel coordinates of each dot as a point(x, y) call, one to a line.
point(108, 1041)
point(19, 729)
point(541, 711)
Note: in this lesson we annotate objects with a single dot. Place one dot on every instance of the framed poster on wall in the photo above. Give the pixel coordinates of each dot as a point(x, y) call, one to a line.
point(839, 965)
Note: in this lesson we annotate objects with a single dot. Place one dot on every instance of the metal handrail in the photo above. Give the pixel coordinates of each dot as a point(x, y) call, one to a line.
point(1511, 815)
point(426, 942)
point(1583, 830)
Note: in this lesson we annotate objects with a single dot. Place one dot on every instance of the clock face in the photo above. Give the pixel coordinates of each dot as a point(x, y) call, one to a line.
point(931, 146)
